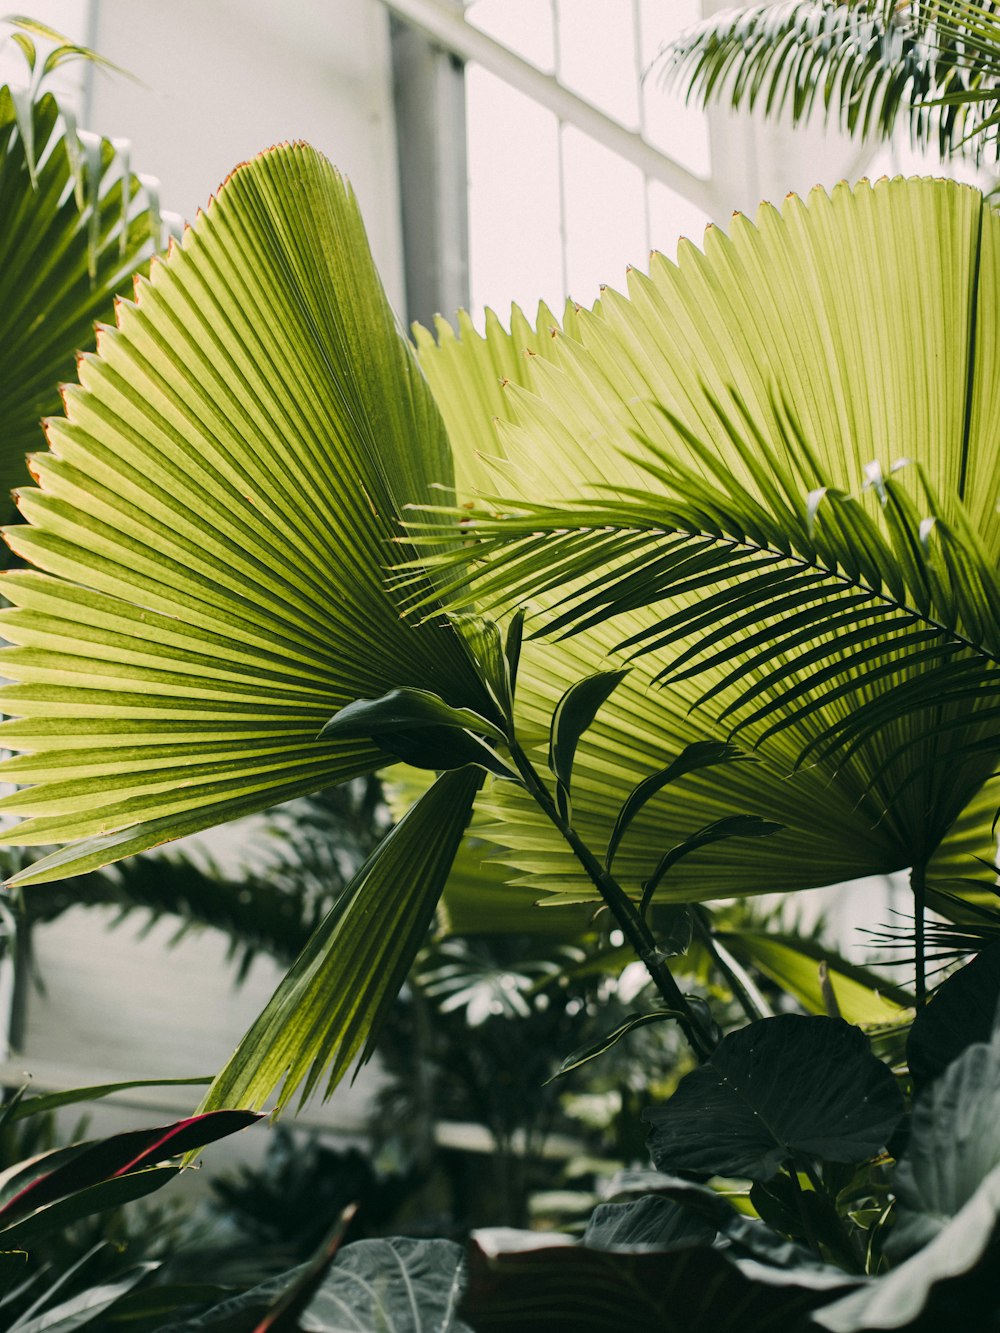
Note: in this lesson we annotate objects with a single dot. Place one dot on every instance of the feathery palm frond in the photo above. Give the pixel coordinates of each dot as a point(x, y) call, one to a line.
point(867, 70)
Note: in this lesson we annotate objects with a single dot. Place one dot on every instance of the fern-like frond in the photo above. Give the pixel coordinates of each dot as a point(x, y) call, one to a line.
point(792, 600)
point(865, 69)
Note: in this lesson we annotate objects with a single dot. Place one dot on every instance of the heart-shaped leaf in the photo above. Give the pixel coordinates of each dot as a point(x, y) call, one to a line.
point(779, 1089)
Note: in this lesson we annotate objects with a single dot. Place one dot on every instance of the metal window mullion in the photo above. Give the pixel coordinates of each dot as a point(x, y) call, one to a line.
point(447, 25)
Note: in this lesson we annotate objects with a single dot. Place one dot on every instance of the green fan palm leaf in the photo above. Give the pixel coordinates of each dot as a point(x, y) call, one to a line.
point(77, 224)
point(738, 416)
point(212, 524)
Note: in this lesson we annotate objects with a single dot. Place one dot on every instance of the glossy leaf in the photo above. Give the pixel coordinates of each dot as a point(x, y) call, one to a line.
point(780, 1089)
point(519, 1284)
point(403, 710)
point(419, 728)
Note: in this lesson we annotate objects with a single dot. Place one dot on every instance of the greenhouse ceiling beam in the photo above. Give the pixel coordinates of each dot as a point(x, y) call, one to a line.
point(446, 24)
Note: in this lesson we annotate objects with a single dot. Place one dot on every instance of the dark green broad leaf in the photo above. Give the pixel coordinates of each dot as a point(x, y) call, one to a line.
point(954, 1145)
point(779, 1089)
point(651, 1220)
point(518, 1283)
point(949, 1284)
point(403, 710)
point(698, 755)
point(748, 1238)
point(730, 826)
point(802, 1214)
point(399, 1285)
point(574, 713)
point(419, 728)
point(593, 1049)
point(960, 1012)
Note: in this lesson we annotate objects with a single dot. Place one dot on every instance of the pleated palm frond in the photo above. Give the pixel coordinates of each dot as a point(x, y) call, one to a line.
point(75, 224)
point(933, 67)
point(210, 529)
point(681, 481)
point(208, 541)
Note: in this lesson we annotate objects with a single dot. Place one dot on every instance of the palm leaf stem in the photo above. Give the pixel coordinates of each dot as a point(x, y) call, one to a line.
point(745, 993)
point(918, 884)
point(621, 907)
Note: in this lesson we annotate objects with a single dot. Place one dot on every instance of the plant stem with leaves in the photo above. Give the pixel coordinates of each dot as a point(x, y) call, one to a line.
point(624, 911)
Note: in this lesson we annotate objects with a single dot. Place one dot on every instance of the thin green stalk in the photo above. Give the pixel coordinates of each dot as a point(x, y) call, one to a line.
point(806, 1220)
point(624, 911)
point(918, 884)
point(743, 990)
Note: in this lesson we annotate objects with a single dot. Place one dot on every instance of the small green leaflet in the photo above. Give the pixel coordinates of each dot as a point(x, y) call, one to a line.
point(574, 713)
point(585, 1054)
point(700, 754)
point(731, 826)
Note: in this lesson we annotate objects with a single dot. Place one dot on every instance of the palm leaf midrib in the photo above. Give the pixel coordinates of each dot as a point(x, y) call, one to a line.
point(562, 520)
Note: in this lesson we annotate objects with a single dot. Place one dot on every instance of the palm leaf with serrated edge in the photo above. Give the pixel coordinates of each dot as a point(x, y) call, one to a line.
point(77, 223)
point(210, 530)
point(788, 358)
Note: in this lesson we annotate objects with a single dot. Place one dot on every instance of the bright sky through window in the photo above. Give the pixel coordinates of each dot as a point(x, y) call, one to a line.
point(553, 212)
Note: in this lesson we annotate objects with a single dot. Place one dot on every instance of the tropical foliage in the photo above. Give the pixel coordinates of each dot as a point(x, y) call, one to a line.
point(931, 66)
point(78, 222)
point(207, 591)
point(691, 595)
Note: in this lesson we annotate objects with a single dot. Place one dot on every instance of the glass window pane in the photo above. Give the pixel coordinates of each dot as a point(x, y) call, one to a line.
point(679, 131)
point(524, 26)
point(605, 216)
point(597, 55)
point(515, 251)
